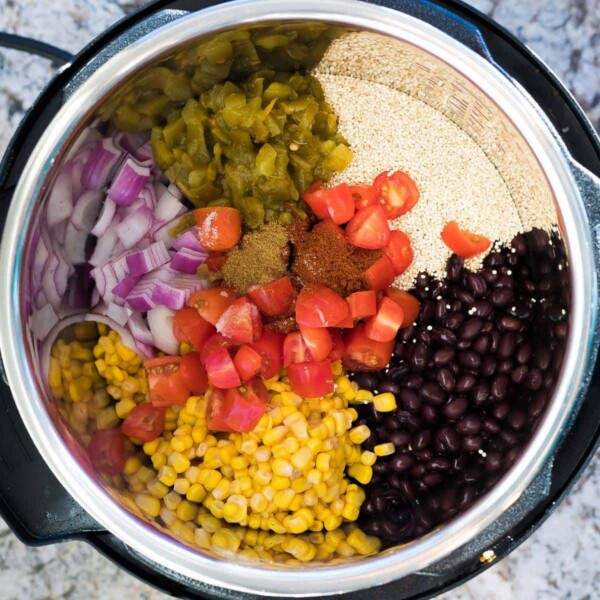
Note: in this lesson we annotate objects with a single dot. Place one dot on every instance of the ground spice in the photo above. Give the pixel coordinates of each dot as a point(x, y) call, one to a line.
point(323, 256)
point(261, 256)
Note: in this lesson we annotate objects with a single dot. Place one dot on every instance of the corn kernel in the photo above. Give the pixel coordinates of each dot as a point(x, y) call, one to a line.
point(362, 473)
point(196, 493)
point(385, 402)
point(384, 449)
point(149, 504)
point(359, 434)
point(368, 458)
point(179, 462)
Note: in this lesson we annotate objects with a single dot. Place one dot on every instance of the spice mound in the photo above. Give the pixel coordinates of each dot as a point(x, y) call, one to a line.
point(323, 256)
point(261, 257)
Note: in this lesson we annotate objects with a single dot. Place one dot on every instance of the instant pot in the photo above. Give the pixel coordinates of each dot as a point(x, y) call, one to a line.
point(461, 63)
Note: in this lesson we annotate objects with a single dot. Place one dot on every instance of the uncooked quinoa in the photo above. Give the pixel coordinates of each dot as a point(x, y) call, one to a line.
point(456, 179)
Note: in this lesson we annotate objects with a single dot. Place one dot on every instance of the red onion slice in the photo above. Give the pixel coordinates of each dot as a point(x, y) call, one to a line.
point(105, 218)
point(128, 182)
point(163, 234)
point(168, 207)
point(187, 261)
point(120, 314)
point(149, 259)
point(39, 261)
point(60, 198)
point(48, 282)
point(74, 244)
point(134, 227)
point(101, 164)
point(86, 210)
point(130, 141)
point(139, 329)
point(189, 239)
point(160, 322)
point(42, 321)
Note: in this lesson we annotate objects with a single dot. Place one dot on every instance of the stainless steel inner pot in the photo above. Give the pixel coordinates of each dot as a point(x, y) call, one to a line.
point(468, 89)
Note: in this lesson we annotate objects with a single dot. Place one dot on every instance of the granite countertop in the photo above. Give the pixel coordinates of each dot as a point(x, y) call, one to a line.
point(561, 559)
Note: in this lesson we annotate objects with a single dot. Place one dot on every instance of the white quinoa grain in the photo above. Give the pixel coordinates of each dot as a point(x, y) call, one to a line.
point(388, 130)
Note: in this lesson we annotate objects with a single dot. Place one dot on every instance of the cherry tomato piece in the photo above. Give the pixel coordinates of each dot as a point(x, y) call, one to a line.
point(274, 298)
point(270, 348)
point(384, 326)
point(363, 196)
point(215, 262)
point(165, 383)
point(364, 354)
point(334, 203)
point(398, 193)
point(219, 227)
point(407, 302)
point(107, 451)
point(145, 422)
point(399, 252)
point(294, 349)
point(193, 373)
point(347, 322)
point(190, 328)
point(462, 242)
point(247, 362)
point(362, 304)
point(216, 411)
point(240, 322)
point(318, 342)
point(369, 229)
point(214, 342)
point(245, 405)
point(212, 302)
point(318, 306)
point(311, 379)
point(380, 274)
point(221, 370)
point(338, 346)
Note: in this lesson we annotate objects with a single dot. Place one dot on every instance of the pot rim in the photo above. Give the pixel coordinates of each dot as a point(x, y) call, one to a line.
point(391, 564)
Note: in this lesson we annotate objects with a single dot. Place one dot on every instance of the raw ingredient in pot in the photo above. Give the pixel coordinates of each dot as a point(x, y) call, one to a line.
point(471, 378)
point(261, 257)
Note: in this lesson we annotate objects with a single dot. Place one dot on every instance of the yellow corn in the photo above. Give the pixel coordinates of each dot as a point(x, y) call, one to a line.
point(384, 449)
point(385, 402)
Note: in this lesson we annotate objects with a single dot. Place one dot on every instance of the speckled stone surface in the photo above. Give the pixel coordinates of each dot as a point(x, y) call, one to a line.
point(561, 560)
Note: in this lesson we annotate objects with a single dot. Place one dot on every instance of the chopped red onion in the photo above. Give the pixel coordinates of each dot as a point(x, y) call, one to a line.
point(106, 246)
point(139, 329)
point(120, 314)
point(42, 321)
point(134, 227)
point(128, 182)
point(124, 334)
point(160, 321)
point(148, 259)
point(163, 234)
point(124, 287)
point(187, 261)
point(146, 350)
point(175, 191)
point(189, 239)
point(140, 298)
point(144, 152)
point(39, 261)
point(48, 282)
point(40, 299)
point(95, 297)
point(74, 244)
point(101, 164)
point(168, 207)
point(86, 210)
point(60, 198)
point(88, 138)
point(105, 218)
point(165, 294)
point(130, 141)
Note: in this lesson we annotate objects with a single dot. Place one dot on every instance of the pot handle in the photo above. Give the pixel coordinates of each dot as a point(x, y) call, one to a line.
point(16, 42)
point(32, 501)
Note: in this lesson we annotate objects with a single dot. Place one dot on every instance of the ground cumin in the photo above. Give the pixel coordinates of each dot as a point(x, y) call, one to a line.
point(261, 257)
point(323, 256)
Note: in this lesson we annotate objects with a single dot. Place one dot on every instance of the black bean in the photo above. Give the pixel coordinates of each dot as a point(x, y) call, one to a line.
point(417, 471)
point(421, 440)
point(400, 439)
point(519, 374)
point(410, 399)
point(449, 439)
point(429, 413)
point(538, 240)
point(455, 267)
point(499, 387)
point(493, 259)
point(472, 444)
point(543, 358)
point(414, 380)
point(446, 379)
point(537, 405)
point(433, 479)
point(469, 425)
point(406, 334)
point(504, 281)
point(388, 386)
point(481, 393)
point(465, 383)
point(443, 356)
point(508, 323)
point(507, 345)
point(490, 425)
point(502, 296)
point(398, 373)
point(482, 344)
point(439, 463)
point(402, 462)
point(366, 380)
point(451, 321)
point(500, 410)
point(391, 424)
point(508, 438)
point(470, 329)
point(495, 337)
point(505, 366)
point(444, 335)
point(490, 275)
point(440, 309)
point(476, 284)
point(534, 379)
point(419, 358)
point(455, 408)
point(517, 419)
point(469, 359)
point(493, 462)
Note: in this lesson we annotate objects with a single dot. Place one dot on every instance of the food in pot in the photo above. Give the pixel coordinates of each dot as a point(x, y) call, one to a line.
point(278, 345)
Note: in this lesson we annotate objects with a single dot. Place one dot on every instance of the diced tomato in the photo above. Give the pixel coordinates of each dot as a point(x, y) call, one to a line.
point(193, 373)
point(241, 322)
point(384, 326)
point(189, 327)
point(318, 341)
point(338, 346)
point(214, 342)
point(462, 242)
point(364, 354)
point(294, 349)
point(215, 262)
point(369, 229)
point(407, 302)
point(221, 370)
point(245, 405)
point(318, 306)
point(399, 252)
point(270, 348)
point(212, 302)
point(347, 322)
point(274, 298)
point(219, 227)
point(311, 379)
point(107, 451)
point(145, 422)
point(247, 362)
point(165, 382)
point(362, 304)
point(363, 196)
point(398, 193)
point(216, 411)
point(334, 203)
point(380, 274)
